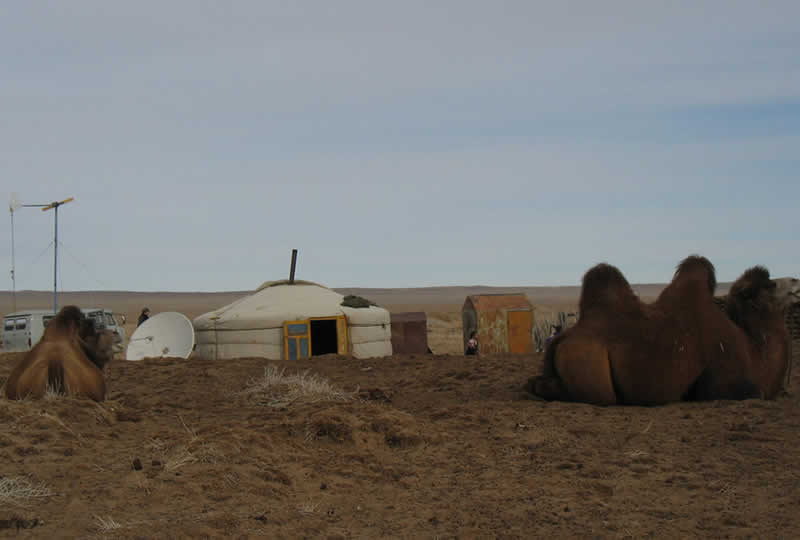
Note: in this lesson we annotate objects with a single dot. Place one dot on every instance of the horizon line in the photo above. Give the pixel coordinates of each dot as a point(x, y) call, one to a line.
point(133, 291)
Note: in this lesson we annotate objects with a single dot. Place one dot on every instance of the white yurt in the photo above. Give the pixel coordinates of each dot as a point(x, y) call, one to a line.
point(291, 320)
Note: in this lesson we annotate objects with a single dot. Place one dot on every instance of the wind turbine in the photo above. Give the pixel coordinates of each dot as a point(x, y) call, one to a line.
point(53, 205)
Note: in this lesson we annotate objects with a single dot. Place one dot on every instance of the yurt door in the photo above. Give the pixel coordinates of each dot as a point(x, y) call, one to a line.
point(296, 339)
point(520, 324)
point(328, 335)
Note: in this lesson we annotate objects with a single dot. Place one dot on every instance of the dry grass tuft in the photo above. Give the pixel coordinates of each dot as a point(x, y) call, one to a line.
point(195, 450)
point(61, 423)
point(178, 458)
point(20, 490)
point(308, 508)
point(277, 389)
point(143, 483)
point(106, 524)
point(52, 393)
point(105, 413)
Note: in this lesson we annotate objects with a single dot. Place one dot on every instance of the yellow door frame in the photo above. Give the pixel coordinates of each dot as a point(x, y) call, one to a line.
point(342, 344)
point(296, 338)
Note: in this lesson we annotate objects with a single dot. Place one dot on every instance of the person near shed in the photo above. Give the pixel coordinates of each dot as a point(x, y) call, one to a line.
point(556, 330)
point(472, 345)
point(143, 316)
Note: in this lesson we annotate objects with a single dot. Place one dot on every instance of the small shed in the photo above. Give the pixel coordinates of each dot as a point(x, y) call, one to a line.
point(503, 322)
point(410, 332)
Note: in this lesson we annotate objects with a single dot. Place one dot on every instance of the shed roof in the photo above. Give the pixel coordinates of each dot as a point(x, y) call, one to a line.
point(487, 302)
point(409, 316)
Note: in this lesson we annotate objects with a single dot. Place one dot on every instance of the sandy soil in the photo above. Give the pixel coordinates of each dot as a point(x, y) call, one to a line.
point(408, 447)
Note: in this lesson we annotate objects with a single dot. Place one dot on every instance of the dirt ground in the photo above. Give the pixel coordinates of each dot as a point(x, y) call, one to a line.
point(409, 446)
point(421, 446)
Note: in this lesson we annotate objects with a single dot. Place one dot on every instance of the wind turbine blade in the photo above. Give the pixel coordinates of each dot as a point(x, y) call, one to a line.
point(57, 204)
point(14, 202)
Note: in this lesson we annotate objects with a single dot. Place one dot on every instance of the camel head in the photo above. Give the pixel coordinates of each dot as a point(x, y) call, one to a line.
point(753, 300)
point(98, 345)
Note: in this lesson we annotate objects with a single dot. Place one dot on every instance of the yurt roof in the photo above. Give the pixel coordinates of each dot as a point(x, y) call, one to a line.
point(268, 284)
point(276, 302)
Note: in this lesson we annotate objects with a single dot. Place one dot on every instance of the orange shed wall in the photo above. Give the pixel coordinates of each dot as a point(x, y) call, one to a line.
point(492, 331)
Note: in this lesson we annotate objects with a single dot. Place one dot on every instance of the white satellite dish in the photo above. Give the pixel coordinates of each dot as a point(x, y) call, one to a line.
point(166, 334)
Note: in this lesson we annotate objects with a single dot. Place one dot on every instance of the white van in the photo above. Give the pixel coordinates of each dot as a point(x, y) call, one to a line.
point(23, 329)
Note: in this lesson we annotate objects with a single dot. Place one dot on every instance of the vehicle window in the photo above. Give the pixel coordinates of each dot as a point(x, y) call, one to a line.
point(8, 324)
point(110, 320)
point(97, 318)
point(21, 324)
point(46, 320)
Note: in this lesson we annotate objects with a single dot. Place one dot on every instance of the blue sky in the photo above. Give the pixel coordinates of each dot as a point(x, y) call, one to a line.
point(397, 144)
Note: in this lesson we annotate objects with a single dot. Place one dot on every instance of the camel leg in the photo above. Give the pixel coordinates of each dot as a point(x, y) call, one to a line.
point(549, 388)
point(585, 371)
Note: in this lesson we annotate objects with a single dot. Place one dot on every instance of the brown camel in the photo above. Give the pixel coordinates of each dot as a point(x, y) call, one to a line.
point(623, 350)
point(680, 347)
point(68, 359)
point(757, 305)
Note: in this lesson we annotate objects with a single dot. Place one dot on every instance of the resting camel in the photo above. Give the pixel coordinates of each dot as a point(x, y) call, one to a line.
point(623, 351)
point(68, 359)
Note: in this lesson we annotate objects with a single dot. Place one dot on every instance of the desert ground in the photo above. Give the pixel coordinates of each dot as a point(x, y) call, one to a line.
point(409, 446)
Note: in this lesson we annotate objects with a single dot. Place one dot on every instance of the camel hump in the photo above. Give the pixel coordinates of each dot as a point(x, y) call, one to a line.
point(605, 287)
point(55, 376)
point(697, 266)
point(66, 323)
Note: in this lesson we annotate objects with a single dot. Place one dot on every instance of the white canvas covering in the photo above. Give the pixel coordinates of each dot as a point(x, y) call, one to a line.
point(253, 326)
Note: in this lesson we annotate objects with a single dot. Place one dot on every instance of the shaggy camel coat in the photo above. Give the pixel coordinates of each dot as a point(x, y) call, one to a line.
point(68, 359)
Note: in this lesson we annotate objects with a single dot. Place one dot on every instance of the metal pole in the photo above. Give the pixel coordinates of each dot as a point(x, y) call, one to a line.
point(13, 266)
point(55, 266)
point(291, 270)
point(44, 208)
